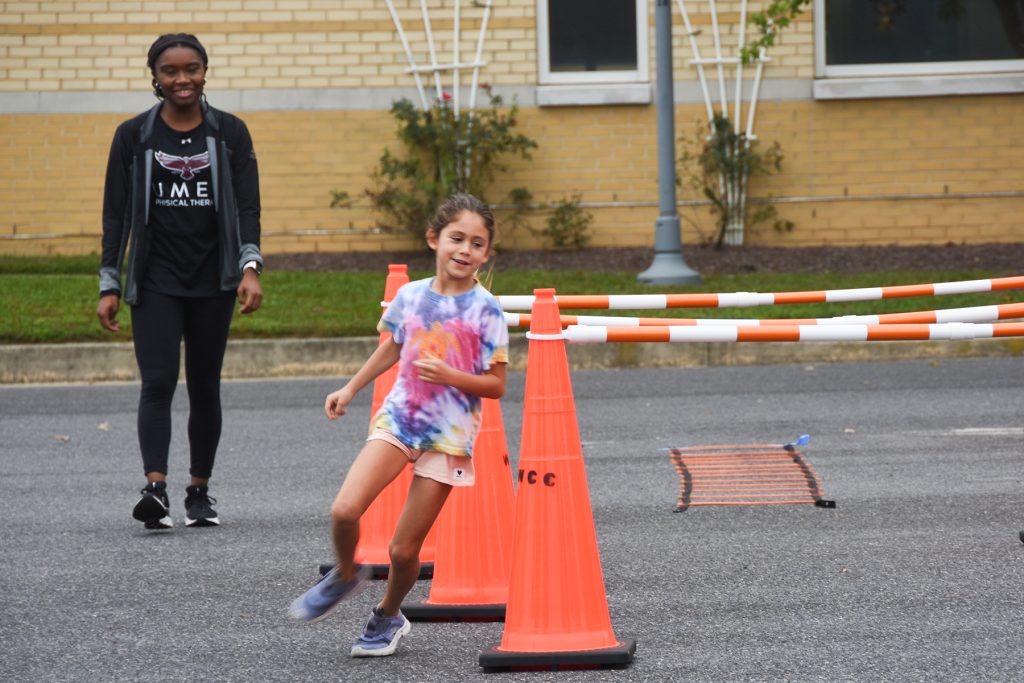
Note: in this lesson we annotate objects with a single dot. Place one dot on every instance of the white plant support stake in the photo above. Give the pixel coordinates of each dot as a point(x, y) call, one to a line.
point(739, 67)
point(476, 60)
point(476, 73)
point(430, 46)
point(691, 34)
point(741, 190)
point(455, 61)
point(718, 57)
point(408, 53)
point(761, 59)
point(727, 188)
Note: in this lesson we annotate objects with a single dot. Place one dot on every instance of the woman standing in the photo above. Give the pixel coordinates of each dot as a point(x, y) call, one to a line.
point(182, 199)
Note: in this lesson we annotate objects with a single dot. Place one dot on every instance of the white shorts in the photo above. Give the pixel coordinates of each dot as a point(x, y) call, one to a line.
point(454, 470)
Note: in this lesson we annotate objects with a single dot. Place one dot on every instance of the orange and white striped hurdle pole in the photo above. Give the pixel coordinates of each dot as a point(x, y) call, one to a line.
point(748, 299)
point(972, 314)
point(584, 334)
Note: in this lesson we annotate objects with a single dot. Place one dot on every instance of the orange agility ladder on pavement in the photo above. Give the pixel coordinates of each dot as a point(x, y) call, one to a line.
point(751, 474)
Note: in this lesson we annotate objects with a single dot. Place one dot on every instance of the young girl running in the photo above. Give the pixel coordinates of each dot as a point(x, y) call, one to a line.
point(451, 343)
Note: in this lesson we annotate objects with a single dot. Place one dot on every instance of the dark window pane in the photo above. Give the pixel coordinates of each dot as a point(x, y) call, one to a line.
point(592, 35)
point(900, 31)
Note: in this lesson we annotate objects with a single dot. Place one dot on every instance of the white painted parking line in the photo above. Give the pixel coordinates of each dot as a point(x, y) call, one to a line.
point(989, 431)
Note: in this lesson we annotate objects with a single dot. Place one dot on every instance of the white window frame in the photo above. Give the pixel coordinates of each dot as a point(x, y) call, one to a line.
point(910, 78)
point(638, 75)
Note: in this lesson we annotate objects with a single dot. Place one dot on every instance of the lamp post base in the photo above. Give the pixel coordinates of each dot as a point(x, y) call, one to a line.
point(669, 268)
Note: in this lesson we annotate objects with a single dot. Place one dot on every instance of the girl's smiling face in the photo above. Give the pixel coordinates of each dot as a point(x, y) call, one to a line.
point(462, 247)
point(180, 73)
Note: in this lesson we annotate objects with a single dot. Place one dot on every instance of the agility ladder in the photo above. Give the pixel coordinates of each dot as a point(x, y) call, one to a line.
point(749, 474)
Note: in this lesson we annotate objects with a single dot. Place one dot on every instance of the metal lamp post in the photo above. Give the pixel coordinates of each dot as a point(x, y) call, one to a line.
point(668, 267)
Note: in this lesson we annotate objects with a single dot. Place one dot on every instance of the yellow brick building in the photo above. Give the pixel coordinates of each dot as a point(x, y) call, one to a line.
point(875, 153)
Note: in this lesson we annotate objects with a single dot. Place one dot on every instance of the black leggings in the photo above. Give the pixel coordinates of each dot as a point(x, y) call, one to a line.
point(159, 322)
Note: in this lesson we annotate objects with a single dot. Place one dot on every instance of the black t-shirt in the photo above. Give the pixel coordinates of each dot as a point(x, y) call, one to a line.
point(182, 259)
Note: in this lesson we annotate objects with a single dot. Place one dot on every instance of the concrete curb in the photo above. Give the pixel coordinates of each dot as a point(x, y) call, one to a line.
point(340, 357)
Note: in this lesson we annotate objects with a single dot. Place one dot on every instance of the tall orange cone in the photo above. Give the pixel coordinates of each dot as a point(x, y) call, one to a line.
point(557, 614)
point(377, 525)
point(474, 536)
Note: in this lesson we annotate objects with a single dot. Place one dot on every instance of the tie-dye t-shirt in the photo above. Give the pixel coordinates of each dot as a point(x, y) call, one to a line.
point(467, 332)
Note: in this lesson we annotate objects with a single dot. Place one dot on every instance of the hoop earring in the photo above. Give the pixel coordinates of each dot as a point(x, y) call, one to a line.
point(158, 92)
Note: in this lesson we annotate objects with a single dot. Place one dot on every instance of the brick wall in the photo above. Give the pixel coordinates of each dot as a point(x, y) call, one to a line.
point(101, 46)
point(855, 171)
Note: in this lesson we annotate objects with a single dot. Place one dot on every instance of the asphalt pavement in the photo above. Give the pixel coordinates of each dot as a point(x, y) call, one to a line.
point(917, 574)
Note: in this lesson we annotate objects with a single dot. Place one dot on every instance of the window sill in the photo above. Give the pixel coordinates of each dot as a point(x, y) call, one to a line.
point(917, 86)
point(593, 94)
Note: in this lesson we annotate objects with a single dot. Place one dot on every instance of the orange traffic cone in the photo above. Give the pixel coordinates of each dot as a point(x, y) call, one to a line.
point(557, 614)
point(377, 525)
point(474, 536)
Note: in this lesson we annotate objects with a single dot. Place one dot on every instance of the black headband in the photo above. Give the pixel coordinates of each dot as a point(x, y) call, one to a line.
point(172, 40)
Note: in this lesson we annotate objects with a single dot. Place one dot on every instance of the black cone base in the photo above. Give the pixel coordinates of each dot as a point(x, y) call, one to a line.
point(617, 657)
point(380, 571)
point(423, 611)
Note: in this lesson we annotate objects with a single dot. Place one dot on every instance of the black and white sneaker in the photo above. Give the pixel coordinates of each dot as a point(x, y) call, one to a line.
point(199, 507)
point(153, 509)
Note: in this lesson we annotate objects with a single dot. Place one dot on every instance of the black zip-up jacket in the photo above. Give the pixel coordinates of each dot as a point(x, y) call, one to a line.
point(127, 200)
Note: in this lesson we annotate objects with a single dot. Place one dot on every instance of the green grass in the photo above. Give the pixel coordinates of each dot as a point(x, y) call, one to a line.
point(54, 265)
point(54, 299)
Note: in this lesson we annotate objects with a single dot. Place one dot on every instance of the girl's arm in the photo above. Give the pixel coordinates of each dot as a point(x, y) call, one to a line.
point(379, 361)
point(489, 384)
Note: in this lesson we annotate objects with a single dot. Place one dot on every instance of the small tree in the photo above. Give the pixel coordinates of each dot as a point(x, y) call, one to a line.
point(444, 153)
point(568, 226)
point(721, 171)
point(771, 21)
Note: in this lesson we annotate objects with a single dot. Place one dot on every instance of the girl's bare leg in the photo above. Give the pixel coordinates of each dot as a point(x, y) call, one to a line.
point(375, 467)
point(426, 498)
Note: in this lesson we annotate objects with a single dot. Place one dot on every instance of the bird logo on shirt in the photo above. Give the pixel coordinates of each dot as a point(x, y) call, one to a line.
point(186, 167)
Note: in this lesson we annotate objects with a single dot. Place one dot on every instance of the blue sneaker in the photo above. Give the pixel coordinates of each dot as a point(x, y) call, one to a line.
point(327, 593)
point(381, 635)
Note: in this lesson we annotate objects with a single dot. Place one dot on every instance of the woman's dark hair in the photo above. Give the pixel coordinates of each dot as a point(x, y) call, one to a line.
point(169, 40)
point(450, 209)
